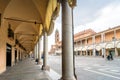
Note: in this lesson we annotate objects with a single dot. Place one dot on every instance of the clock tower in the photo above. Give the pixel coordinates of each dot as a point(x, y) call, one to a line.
point(57, 37)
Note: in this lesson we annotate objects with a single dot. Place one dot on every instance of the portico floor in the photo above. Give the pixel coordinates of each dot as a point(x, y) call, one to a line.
point(25, 70)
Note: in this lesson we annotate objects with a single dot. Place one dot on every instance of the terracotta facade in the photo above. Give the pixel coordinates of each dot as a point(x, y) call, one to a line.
point(85, 42)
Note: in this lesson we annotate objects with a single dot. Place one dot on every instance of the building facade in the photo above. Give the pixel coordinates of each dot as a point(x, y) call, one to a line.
point(90, 43)
point(56, 48)
point(21, 29)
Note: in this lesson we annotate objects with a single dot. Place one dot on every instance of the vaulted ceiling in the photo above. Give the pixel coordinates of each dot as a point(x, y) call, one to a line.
point(28, 17)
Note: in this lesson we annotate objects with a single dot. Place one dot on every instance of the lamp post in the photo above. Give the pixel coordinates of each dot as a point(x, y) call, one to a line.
point(73, 44)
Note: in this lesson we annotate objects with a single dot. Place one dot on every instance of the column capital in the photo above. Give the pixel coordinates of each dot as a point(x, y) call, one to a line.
point(72, 3)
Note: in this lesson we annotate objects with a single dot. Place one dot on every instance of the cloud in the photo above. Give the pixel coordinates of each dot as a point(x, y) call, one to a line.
point(85, 11)
point(109, 16)
point(98, 19)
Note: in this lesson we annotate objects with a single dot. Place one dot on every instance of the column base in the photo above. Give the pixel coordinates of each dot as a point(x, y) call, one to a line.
point(45, 68)
point(39, 62)
point(72, 78)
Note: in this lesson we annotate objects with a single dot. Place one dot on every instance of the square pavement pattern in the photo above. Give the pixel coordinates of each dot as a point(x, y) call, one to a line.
point(25, 70)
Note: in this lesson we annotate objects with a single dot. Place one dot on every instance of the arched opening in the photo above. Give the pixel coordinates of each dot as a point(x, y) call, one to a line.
point(8, 55)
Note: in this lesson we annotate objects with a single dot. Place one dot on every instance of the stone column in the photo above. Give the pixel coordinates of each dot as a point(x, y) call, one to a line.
point(39, 53)
point(35, 52)
point(102, 37)
point(116, 52)
point(103, 52)
point(103, 49)
point(45, 52)
point(67, 42)
point(86, 52)
point(94, 50)
point(80, 52)
point(20, 55)
point(17, 55)
point(13, 56)
point(115, 34)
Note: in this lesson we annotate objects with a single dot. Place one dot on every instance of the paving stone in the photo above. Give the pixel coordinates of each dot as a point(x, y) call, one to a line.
point(25, 70)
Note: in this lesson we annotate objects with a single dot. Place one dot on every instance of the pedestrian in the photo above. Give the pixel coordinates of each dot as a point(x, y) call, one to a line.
point(111, 56)
point(102, 56)
point(42, 56)
point(108, 57)
point(36, 60)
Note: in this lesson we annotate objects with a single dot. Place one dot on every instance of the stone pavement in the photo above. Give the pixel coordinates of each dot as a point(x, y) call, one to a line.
point(90, 68)
point(25, 70)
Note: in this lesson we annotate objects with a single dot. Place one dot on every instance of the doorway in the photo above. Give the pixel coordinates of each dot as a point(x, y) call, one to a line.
point(15, 56)
point(97, 53)
point(112, 52)
point(8, 55)
point(19, 55)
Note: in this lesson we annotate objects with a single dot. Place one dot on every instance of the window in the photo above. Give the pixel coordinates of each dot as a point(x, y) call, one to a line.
point(113, 38)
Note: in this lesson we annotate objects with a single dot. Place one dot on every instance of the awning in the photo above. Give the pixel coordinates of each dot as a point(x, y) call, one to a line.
point(84, 49)
point(79, 48)
point(118, 45)
point(109, 46)
point(98, 48)
point(58, 51)
point(75, 49)
point(90, 47)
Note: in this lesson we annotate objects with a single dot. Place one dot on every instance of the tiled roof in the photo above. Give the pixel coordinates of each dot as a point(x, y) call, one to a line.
point(83, 34)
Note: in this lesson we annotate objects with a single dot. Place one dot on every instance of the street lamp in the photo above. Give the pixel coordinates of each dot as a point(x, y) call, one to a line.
point(73, 44)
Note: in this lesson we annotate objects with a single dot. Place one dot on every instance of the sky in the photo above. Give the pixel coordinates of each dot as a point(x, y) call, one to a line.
point(98, 15)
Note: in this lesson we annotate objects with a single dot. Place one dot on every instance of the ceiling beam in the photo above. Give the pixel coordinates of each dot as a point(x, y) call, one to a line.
point(21, 20)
